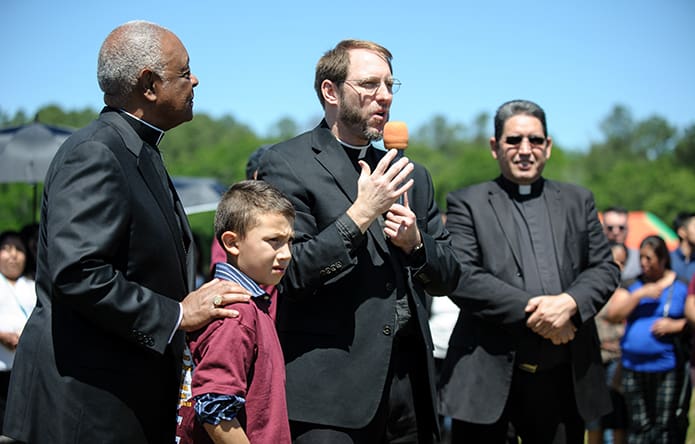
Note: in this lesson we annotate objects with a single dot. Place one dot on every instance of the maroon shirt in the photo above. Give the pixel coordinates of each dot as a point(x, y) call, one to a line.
point(242, 357)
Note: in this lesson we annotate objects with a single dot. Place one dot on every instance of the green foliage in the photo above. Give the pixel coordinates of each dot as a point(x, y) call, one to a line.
point(685, 147)
point(208, 147)
point(642, 165)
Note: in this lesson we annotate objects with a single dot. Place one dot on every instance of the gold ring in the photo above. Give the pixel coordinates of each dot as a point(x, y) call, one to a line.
point(217, 300)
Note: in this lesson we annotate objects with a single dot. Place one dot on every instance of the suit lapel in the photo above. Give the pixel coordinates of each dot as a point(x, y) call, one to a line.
point(332, 157)
point(151, 176)
point(502, 206)
point(556, 213)
point(187, 238)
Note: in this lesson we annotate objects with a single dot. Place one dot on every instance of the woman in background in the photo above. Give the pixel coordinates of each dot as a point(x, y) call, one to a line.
point(17, 300)
point(653, 370)
point(610, 428)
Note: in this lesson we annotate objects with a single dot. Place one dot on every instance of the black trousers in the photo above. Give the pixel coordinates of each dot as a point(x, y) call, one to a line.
point(4, 386)
point(401, 417)
point(541, 408)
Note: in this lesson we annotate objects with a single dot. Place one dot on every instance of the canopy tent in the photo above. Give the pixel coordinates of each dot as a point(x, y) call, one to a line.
point(642, 224)
point(198, 194)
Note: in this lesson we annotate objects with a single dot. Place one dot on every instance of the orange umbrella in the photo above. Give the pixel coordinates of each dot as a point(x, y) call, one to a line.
point(642, 224)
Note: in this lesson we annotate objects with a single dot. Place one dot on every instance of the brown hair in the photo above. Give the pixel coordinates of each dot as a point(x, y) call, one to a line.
point(334, 64)
point(246, 201)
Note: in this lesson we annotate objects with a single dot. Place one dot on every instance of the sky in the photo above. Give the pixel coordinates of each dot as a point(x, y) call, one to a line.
point(456, 58)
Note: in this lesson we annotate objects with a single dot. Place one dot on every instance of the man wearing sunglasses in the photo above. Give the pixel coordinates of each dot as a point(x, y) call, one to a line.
point(615, 226)
point(525, 349)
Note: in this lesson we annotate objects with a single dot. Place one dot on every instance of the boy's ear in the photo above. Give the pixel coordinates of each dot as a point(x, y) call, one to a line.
point(230, 243)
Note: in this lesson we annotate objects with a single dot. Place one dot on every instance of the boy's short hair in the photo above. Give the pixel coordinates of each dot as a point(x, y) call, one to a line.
point(245, 202)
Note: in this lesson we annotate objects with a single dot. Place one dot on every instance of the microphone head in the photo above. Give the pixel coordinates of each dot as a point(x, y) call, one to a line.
point(396, 135)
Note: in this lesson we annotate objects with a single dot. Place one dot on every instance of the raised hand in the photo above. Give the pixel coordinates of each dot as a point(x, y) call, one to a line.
point(378, 190)
point(400, 226)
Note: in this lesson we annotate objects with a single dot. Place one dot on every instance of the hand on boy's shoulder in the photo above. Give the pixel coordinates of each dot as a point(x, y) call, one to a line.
point(209, 302)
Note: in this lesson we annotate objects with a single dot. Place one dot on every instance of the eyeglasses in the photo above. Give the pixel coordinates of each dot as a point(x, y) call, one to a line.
point(615, 227)
point(533, 140)
point(371, 86)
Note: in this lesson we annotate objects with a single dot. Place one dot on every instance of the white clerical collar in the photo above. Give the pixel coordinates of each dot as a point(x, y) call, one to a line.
point(361, 149)
point(161, 133)
point(355, 147)
point(524, 190)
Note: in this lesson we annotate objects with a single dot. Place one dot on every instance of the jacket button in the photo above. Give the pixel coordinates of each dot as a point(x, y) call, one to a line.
point(386, 330)
point(389, 287)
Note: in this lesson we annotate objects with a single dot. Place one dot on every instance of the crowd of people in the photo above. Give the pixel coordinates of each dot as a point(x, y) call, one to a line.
point(331, 261)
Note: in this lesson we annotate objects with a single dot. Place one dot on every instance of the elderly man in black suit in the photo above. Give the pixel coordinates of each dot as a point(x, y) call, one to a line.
point(525, 348)
point(99, 360)
point(352, 318)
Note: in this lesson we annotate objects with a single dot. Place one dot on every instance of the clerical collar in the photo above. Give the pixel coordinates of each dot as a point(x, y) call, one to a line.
point(362, 149)
point(519, 191)
point(147, 132)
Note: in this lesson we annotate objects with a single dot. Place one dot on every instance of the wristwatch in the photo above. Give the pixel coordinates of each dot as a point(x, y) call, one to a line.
point(417, 255)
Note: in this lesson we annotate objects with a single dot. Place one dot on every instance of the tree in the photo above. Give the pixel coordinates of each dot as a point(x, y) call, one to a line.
point(284, 129)
point(642, 165)
point(685, 147)
point(438, 134)
point(480, 124)
point(652, 138)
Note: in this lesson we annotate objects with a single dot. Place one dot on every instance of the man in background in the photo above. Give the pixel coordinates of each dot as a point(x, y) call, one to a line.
point(683, 257)
point(615, 226)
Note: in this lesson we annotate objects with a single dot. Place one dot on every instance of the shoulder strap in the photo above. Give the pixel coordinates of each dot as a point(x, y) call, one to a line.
point(669, 297)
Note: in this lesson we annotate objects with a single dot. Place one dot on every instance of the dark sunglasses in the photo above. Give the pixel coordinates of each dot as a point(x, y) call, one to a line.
point(615, 227)
point(533, 140)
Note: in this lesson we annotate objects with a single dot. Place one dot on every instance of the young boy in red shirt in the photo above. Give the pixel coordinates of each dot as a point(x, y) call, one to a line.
point(237, 390)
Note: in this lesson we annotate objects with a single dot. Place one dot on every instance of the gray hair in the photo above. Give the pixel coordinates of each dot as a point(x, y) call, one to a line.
point(128, 50)
point(514, 108)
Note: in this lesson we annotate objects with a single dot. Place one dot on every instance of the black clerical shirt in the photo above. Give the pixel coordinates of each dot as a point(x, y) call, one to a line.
point(539, 265)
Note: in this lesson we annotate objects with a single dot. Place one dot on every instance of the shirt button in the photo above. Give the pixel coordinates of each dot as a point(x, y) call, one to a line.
point(386, 330)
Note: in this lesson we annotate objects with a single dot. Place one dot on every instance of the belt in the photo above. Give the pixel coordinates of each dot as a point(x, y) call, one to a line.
point(528, 368)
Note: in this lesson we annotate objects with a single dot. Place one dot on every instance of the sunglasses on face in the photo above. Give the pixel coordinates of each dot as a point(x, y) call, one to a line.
point(533, 140)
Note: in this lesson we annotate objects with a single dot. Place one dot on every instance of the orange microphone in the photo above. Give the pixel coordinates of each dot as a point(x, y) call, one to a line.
point(396, 137)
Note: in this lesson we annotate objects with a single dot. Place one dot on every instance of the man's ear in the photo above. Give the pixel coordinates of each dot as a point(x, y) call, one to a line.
point(146, 83)
point(682, 232)
point(493, 147)
point(230, 243)
point(548, 147)
point(330, 92)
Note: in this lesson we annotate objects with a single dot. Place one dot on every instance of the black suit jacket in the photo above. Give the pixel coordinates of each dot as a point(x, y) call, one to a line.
point(478, 369)
point(94, 362)
point(336, 311)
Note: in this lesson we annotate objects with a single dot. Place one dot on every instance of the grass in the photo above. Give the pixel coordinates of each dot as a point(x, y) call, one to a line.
point(690, 437)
